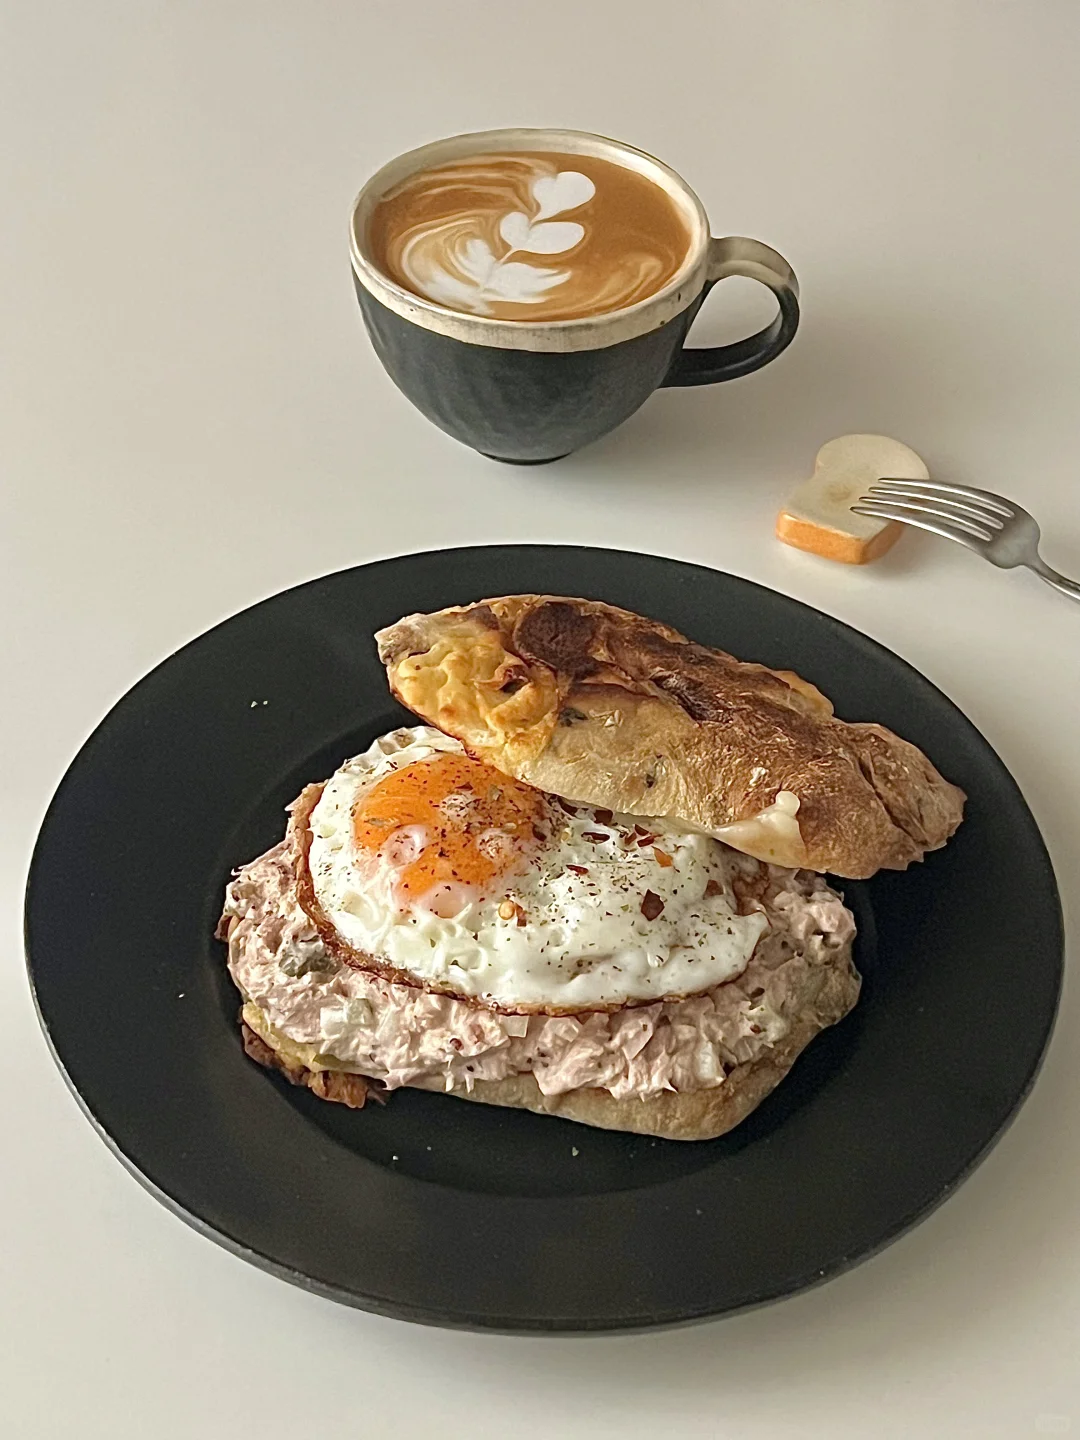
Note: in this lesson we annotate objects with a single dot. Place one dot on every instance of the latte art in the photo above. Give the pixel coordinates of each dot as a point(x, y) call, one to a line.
point(530, 236)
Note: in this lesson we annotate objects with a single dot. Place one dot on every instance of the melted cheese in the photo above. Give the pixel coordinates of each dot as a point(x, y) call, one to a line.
point(773, 834)
point(470, 686)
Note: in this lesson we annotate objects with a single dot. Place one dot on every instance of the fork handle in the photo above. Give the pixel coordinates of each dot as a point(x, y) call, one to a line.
point(1056, 581)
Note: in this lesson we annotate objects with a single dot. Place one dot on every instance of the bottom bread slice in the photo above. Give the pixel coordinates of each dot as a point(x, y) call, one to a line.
point(687, 1115)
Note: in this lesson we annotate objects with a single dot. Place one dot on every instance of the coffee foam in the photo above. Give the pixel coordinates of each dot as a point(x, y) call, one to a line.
point(530, 236)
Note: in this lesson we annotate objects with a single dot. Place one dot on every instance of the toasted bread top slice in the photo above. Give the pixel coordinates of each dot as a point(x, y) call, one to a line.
point(610, 709)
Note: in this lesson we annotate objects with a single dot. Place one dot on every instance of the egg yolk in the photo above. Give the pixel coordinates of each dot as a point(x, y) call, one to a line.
point(449, 822)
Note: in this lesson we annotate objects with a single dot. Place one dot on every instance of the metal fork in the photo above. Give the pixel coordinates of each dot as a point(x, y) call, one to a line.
point(995, 528)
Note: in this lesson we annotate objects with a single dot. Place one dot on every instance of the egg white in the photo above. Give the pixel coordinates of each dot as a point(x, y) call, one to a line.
point(585, 941)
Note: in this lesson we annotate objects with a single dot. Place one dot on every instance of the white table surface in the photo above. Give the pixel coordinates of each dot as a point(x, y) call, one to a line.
point(191, 419)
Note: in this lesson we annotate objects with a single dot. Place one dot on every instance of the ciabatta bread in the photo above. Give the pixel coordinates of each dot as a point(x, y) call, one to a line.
point(607, 708)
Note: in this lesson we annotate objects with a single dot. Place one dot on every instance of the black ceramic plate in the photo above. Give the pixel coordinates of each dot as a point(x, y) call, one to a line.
point(457, 1214)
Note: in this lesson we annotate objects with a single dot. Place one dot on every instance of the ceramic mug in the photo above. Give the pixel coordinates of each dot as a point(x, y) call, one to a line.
point(528, 392)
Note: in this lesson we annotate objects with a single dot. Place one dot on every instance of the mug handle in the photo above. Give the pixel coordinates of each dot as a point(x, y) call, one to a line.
point(735, 255)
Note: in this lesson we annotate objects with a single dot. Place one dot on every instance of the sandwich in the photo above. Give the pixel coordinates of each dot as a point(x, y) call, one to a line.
point(588, 883)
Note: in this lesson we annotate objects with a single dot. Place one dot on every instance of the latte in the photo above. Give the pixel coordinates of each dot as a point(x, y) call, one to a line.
point(530, 236)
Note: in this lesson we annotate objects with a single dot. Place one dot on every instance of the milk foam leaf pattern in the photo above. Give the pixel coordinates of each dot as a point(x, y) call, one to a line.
point(546, 238)
point(473, 276)
point(483, 278)
point(514, 280)
point(555, 194)
point(475, 262)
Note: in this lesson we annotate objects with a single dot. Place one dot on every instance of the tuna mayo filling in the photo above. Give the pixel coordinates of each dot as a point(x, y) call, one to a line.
point(401, 1034)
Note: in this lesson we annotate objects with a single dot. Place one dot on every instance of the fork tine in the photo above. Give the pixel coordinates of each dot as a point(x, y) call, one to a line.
point(922, 521)
point(943, 505)
point(938, 488)
point(909, 509)
point(909, 512)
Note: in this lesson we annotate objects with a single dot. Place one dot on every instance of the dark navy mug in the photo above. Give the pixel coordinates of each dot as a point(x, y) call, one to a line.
point(531, 391)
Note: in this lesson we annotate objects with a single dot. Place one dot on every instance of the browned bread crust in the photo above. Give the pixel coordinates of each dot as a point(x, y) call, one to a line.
point(610, 709)
point(341, 1086)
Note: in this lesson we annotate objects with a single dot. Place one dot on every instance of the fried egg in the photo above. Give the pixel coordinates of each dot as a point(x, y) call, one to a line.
point(455, 873)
